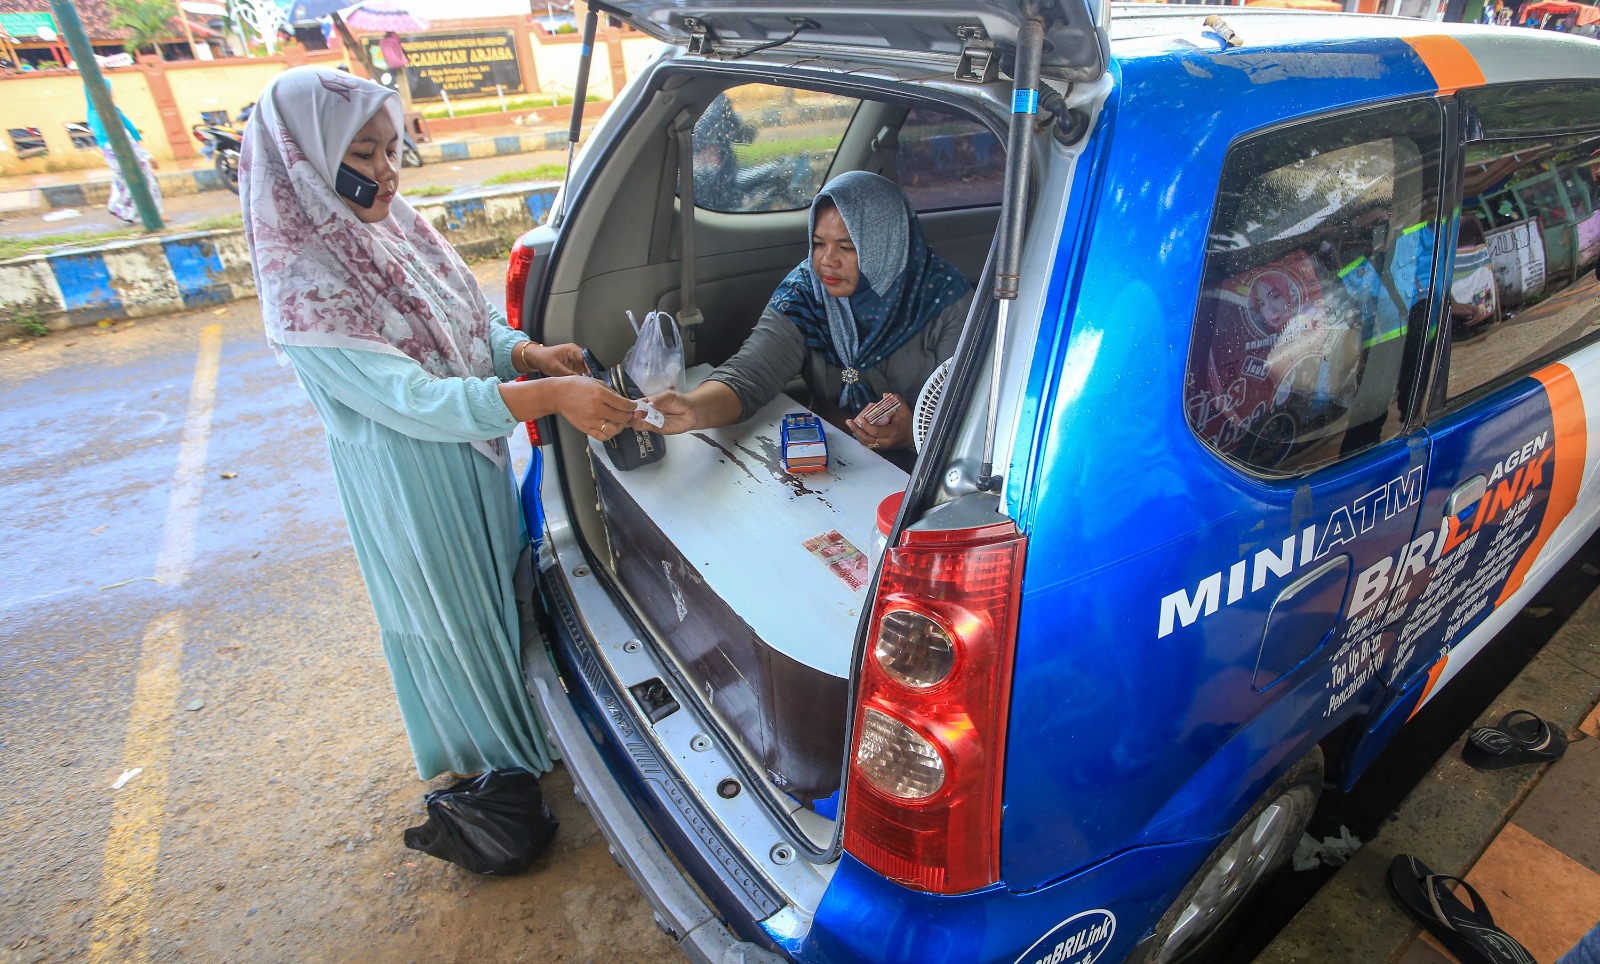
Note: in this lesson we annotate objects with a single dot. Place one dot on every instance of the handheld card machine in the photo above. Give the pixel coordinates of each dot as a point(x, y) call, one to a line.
point(805, 447)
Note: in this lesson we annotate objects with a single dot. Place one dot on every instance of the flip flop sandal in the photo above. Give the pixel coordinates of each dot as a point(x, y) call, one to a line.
point(1467, 932)
point(1520, 738)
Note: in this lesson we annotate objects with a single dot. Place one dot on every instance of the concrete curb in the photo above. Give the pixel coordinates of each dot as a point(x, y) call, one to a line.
point(1451, 817)
point(152, 276)
point(179, 183)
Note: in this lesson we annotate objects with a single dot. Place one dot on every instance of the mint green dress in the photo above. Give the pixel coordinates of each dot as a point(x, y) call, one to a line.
point(437, 531)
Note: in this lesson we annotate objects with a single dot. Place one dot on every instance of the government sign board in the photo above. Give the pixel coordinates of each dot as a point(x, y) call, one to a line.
point(461, 64)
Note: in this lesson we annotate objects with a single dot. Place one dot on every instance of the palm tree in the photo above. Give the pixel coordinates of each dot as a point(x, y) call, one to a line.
point(147, 22)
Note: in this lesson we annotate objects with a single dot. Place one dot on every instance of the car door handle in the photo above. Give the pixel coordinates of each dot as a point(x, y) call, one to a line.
point(1466, 495)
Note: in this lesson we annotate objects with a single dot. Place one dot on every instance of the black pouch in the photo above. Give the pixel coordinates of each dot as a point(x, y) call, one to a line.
point(496, 823)
point(629, 448)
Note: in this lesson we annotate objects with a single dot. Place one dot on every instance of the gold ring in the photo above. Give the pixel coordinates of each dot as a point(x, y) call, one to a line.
point(603, 425)
point(873, 445)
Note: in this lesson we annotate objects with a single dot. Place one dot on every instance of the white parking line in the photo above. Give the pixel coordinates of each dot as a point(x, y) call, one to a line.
point(133, 844)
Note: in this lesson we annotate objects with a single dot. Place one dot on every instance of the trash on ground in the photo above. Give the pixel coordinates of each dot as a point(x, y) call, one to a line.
point(196, 705)
point(494, 823)
point(1310, 854)
point(230, 475)
point(127, 775)
point(62, 215)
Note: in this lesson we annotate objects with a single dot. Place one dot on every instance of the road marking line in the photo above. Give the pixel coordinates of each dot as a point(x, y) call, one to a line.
point(127, 877)
point(188, 481)
point(133, 844)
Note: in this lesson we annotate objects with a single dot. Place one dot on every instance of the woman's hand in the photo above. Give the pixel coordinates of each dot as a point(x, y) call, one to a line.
point(591, 407)
point(676, 407)
point(892, 434)
point(555, 359)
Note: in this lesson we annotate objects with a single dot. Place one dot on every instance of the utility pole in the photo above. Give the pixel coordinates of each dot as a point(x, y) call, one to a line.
point(100, 95)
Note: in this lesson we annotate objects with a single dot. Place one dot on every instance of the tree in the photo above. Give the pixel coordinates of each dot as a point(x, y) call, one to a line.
point(147, 22)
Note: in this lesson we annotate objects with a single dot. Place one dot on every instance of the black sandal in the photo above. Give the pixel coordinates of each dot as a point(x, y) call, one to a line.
point(1467, 932)
point(1520, 738)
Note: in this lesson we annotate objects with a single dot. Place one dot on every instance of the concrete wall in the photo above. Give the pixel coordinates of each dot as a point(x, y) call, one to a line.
point(49, 100)
point(154, 276)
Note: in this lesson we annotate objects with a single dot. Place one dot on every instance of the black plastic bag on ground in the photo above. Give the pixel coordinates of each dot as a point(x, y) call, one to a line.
point(494, 823)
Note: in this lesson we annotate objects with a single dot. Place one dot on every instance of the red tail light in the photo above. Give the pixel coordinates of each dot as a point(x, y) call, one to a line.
point(517, 282)
point(923, 801)
point(517, 270)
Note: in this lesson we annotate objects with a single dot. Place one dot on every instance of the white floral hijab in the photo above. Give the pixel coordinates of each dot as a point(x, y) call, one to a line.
point(325, 278)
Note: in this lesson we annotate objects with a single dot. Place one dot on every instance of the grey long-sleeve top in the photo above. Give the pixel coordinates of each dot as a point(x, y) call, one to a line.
point(776, 351)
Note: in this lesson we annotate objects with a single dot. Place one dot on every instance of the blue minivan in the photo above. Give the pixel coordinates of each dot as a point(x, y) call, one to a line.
point(1270, 411)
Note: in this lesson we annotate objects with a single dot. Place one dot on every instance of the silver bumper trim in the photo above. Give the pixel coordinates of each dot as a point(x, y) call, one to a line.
point(678, 906)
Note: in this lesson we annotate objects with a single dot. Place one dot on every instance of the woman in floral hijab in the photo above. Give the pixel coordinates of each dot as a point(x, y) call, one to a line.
point(413, 374)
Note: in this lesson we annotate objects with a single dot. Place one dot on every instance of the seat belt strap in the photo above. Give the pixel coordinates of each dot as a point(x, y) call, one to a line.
point(666, 193)
point(688, 311)
point(885, 150)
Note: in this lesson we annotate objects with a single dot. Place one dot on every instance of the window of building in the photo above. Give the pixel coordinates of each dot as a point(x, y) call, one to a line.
point(82, 137)
point(1315, 289)
point(28, 142)
point(765, 148)
point(1523, 284)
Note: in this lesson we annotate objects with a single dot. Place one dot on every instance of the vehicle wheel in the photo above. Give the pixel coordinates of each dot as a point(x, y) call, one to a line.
point(1198, 924)
point(410, 157)
point(227, 164)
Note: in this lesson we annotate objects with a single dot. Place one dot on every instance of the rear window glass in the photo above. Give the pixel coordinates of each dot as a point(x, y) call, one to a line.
point(946, 162)
point(764, 148)
point(1315, 289)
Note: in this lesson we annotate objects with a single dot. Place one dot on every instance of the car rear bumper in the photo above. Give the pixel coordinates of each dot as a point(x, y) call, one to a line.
point(594, 747)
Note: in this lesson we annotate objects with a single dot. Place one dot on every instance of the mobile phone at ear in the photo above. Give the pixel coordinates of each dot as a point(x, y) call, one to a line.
point(352, 184)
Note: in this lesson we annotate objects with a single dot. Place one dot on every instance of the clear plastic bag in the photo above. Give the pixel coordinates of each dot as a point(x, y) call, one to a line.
point(655, 362)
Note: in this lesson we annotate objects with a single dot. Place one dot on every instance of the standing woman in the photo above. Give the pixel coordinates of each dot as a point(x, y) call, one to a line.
point(412, 373)
point(121, 203)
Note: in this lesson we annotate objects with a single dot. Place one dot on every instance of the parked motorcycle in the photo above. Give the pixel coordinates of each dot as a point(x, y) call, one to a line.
point(220, 142)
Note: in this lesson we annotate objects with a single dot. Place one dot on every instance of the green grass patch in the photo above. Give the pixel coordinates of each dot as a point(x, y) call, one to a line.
point(31, 326)
point(543, 172)
point(429, 190)
point(493, 107)
point(221, 222)
point(13, 247)
point(820, 145)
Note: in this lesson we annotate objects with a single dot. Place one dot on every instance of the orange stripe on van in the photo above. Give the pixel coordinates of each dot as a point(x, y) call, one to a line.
point(1571, 449)
point(1451, 65)
point(1433, 680)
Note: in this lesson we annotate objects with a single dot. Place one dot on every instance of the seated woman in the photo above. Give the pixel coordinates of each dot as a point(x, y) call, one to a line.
point(872, 312)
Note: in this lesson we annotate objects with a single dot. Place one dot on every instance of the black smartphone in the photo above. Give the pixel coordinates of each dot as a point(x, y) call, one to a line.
point(359, 188)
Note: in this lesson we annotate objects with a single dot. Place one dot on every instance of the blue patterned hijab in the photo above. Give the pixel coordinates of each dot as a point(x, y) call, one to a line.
point(902, 284)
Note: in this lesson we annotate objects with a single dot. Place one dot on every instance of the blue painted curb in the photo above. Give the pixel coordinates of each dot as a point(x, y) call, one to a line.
point(158, 275)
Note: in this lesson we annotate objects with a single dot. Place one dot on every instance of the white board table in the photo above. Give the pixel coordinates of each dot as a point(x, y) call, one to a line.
point(711, 542)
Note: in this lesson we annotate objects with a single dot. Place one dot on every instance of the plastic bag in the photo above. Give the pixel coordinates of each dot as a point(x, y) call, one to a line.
point(495, 823)
point(655, 362)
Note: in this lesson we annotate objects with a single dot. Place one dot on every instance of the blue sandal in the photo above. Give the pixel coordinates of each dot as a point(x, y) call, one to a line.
point(1467, 932)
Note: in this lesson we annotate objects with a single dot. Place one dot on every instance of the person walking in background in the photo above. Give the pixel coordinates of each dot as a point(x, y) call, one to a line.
point(121, 203)
point(414, 377)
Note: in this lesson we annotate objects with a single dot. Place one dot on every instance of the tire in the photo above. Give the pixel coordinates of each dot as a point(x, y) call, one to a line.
point(227, 165)
point(1199, 923)
point(410, 157)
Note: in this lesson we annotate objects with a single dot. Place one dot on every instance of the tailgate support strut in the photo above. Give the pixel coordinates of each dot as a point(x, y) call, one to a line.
point(1013, 213)
point(579, 94)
